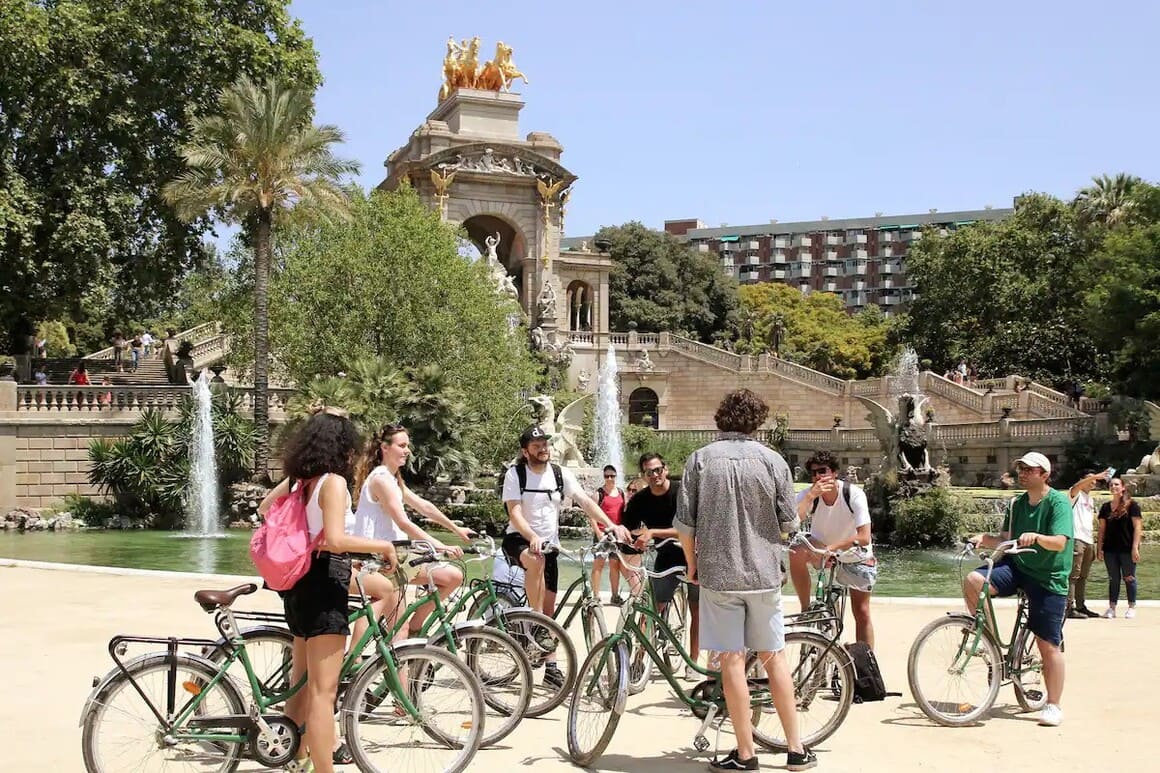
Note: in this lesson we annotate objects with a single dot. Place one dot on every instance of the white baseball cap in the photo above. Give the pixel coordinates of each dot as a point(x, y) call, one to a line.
point(1036, 459)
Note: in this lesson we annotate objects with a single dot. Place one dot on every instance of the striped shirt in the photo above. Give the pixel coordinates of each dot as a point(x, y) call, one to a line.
point(737, 498)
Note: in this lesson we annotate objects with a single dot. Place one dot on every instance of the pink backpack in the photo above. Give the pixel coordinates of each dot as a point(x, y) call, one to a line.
point(281, 548)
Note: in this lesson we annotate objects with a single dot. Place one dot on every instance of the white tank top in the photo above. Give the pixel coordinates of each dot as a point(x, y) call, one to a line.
point(371, 520)
point(314, 510)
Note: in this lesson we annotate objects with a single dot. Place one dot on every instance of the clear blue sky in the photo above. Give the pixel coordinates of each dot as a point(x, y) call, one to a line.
point(740, 112)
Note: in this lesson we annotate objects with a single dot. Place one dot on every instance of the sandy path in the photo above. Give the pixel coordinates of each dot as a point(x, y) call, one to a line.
point(57, 624)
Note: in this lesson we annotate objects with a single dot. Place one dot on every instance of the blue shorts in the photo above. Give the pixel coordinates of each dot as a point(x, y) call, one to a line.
point(1045, 610)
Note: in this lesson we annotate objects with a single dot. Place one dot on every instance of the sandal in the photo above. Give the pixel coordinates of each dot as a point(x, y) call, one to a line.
point(342, 755)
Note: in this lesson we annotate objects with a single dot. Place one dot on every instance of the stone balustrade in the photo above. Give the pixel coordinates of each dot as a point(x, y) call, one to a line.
point(935, 384)
point(121, 399)
point(202, 332)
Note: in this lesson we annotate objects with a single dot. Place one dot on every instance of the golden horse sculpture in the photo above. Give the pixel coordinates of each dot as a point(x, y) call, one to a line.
point(461, 68)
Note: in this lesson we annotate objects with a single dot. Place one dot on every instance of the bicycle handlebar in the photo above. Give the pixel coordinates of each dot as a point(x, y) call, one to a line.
point(857, 550)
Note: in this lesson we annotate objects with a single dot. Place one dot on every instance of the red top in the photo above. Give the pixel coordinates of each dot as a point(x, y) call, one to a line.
point(612, 504)
point(79, 377)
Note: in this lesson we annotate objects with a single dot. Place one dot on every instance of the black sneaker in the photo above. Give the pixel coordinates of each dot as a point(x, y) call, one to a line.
point(732, 761)
point(616, 600)
point(1075, 614)
point(553, 676)
point(1088, 613)
point(803, 760)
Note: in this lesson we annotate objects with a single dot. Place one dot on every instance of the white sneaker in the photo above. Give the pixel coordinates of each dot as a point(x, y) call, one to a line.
point(1051, 716)
point(1130, 613)
point(690, 674)
point(1110, 612)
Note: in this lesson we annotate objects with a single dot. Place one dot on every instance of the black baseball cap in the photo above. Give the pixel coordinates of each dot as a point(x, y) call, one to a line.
point(534, 432)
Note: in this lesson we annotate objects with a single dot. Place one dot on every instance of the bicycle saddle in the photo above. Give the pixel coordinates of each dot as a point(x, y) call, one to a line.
point(213, 599)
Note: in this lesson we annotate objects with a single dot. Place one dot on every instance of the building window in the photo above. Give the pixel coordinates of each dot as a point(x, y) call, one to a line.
point(580, 302)
point(642, 407)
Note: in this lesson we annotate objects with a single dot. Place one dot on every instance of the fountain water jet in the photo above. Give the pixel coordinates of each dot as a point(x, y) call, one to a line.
point(609, 448)
point(202, 510)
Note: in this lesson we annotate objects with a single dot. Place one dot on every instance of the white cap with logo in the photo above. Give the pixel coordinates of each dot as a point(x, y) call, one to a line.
point(1036, 459)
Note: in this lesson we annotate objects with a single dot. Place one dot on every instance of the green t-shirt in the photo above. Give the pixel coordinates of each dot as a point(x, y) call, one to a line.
point(1051, 516)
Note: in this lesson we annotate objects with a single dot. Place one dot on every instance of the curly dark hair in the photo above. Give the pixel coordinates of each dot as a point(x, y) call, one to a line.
point(325, 443)
point(741, 411)
point(822, 458)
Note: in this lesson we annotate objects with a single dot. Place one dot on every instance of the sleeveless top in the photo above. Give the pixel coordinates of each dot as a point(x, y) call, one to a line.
point(314, 510)
point(612, 504)
point(370, 519)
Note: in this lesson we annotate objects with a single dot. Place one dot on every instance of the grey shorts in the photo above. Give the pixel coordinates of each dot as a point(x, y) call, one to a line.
point(733, 622)
point(857, 576)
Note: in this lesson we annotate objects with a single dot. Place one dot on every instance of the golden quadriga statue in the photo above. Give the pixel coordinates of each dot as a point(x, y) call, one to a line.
point(461, 68)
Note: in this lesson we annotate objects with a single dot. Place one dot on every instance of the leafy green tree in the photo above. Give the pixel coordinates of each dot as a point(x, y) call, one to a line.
point(1007, 295)
point(96, 97)
point(1109, 200)
point(388, 283)
point(254, 161)
point(661, 283)
point(815, 330)
point(1123, 308)
point(436, 414)
point(55, 337)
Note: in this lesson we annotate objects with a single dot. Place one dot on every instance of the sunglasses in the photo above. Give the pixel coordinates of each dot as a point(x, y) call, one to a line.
point(609, 477)
point(655, 471)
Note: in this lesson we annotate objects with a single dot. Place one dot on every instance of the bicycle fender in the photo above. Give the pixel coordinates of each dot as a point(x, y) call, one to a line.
point(137, 662)
point(224, 644)
point(490, 613)
point(465, 625)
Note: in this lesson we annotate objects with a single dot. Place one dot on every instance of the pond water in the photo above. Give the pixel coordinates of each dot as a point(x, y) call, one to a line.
point(901, 572)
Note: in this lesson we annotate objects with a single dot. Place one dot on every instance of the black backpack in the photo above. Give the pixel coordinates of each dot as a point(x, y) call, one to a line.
point(868, 683)
point(845, 487)
point(522, 476)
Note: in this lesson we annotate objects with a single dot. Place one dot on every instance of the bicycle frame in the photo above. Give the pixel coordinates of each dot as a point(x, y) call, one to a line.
point(984, 612)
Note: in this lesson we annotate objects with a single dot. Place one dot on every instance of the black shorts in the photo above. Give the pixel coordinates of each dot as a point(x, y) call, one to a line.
point(665, 588)
point(514, 544)
point(316, 605)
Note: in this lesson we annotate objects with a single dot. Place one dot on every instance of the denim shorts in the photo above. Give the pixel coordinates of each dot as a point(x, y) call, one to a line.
point(733, 622)
point(1045, 610)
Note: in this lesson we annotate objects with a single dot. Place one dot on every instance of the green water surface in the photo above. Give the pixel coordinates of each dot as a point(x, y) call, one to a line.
point(900, 573)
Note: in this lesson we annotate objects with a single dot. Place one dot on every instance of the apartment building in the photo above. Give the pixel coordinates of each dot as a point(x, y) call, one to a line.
point(862, 260)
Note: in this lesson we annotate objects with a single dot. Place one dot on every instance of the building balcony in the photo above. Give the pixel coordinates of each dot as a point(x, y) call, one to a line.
point(833, 240)
point(830, 286)
point(802, 241)
point(830, 254)
point(912, 236)
point(887, 237)
point(803, 272)
point(779, 256)
point(859, 254)
point(781, 242)
point(753, 260)
point(752, 245)
point(887, 268)
point(859, 284)
point(858, 269)
point(887, 252)
point(888, 282)
point(703, 247)
point(856, 239)
point(890, 300)
point(831, 271)
point(778, 273)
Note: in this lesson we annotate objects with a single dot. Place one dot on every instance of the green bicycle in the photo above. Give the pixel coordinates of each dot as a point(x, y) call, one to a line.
point(178, 710)
point(958, 662)
point(602, 687)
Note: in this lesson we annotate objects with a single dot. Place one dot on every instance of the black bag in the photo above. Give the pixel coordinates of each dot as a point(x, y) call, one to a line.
point(868, 683)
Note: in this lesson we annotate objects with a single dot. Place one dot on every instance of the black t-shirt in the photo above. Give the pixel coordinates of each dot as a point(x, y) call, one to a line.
point(648, 510)
point(1119, 533)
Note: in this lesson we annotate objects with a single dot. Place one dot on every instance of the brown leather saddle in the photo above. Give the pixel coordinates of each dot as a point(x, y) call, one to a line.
point(211, 600)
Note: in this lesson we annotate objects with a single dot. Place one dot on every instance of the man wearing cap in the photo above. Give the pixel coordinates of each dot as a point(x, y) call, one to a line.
point(534, 497)
point(1041, 519)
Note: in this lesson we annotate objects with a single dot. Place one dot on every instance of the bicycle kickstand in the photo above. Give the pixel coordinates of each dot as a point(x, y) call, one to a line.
point(700, 742)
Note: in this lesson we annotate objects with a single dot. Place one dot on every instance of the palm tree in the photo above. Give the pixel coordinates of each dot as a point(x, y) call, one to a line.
point(1108, 200)
point(253, 162)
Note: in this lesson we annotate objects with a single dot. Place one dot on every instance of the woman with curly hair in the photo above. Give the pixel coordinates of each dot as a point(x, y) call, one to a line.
point(1121, 527)
point(317, 460)
point(381, 514)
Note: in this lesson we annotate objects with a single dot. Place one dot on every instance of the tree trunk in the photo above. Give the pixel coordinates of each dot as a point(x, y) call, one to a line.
point(262, 250)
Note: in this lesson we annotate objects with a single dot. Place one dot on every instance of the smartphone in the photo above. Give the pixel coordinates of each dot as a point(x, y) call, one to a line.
point(1110, 473)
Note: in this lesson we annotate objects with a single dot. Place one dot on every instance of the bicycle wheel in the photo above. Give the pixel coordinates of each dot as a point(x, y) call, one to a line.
point(597, 701)
point(544, 641)
point(953, 685)
point(270, 651)
point(504, 674)
point(676, 616)
point(594, 626)
point(823, 679)
point(1027, 672)
point(121, 732)
point(640, 665)
point(443, 737)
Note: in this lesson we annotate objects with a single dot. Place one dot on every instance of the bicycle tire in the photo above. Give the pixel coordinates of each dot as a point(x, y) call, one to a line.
point(281, 643)
point(594, 627)
point(823, 677)
point(940, 711)
point(610, 705)
point(502, 715)
point(521, 624)
point(199, 671)
point(420, 663)
point(1030, 694)
point(676, 617)
point(640, 664)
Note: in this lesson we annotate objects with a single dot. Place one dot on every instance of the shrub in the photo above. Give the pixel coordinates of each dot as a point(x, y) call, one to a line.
point(147, 473)
point(88, 511)
point(56, 341)
point(935, 518)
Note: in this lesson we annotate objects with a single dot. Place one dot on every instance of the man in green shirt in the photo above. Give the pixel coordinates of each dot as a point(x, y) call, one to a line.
point(1041, 519)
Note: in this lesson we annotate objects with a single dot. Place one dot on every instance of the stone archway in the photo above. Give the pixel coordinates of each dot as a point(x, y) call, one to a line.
point(643, 402)
point(512, 247)
point(580, 302)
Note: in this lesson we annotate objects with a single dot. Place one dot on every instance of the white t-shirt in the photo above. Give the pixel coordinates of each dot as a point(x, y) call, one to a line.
point(1082, 511)
point(836, 522)
point(370, 519)
point(541, 510)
